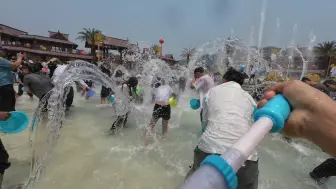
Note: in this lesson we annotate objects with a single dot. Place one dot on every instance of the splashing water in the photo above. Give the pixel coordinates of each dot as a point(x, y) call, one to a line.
point(77, 70)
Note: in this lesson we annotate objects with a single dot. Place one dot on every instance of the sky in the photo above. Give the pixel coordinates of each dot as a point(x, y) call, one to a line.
point(181, 23)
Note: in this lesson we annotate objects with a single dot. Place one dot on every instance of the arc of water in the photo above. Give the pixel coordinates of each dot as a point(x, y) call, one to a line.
point(75, 71)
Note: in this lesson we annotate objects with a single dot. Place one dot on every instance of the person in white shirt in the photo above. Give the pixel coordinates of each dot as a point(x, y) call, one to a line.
point(202, 83)
point(253, 75)
point(123, 107)
point(161, 109)
point(57, 73)
point(227, 116)
point(333, 72)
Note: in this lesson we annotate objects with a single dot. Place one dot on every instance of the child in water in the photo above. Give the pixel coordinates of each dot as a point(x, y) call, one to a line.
point(128, 89)
point(162, 93)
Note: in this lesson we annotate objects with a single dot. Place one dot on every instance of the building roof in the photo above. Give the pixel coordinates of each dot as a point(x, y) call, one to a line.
point(166, 58)
point(42, 38)
point(57, 54)
point(11, 31)
point(24, 35)
point(53, 34)
point(113, 43)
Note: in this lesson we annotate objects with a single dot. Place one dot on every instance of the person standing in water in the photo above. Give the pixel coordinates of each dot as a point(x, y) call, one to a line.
point(227, 116)
point(182, 83)
point(161, 109)
point(128, 89)
point(20, 81)
point(253, 75)
point(56, 77)
point(202, 83)
point(35, 81)
point(7, 101)
point(105, 92)
point(316, 85)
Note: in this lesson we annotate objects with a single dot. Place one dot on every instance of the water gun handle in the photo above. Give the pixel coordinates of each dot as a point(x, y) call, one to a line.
point(219, 172)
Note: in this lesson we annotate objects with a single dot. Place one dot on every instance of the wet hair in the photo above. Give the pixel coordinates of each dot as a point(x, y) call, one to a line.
point(329, 82)
point(157, 85)
point(37, 67)
point(199, 69)
point(234, 75)
point(52, 67)
point(304, 79)
point(132, 84)
point(118, 73)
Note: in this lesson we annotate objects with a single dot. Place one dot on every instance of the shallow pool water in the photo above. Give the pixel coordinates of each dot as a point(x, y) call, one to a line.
point(87, 157)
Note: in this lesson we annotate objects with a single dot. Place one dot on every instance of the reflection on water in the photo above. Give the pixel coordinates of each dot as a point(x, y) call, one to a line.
point(86, 157)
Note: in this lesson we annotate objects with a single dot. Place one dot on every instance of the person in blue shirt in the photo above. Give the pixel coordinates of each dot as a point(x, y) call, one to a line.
point(7, 101)
point(7, 93)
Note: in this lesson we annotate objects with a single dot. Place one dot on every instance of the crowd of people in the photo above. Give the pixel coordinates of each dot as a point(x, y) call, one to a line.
point(226, 109)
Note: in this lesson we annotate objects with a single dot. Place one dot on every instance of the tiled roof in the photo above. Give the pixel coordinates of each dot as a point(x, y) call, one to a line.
point(52, 33)
point(11, 31)
point(115, 42)
point(47, 39)
point(21, 49)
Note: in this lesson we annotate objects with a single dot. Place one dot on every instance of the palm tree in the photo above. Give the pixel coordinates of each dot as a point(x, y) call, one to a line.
point(326, 50)
point(187, 53)
point(89, 35)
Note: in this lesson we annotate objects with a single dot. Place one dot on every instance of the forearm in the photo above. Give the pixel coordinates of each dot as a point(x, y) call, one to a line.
point(17, 63)
point(192, 86)
point(323, 132)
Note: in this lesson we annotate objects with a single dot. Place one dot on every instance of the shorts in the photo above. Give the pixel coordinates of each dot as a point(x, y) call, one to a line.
point(105, 92)
point(247, 175)
point(161, 112)
point(7, 98)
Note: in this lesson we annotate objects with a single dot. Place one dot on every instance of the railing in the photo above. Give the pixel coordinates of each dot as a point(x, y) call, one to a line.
point(43, 48)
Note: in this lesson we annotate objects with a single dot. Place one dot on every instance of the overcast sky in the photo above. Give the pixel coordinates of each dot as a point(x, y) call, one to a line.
point(182, 23)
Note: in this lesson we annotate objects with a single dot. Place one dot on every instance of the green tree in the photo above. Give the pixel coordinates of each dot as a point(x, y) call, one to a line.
point(88, 35)
point(187, 53)
point(327, 51)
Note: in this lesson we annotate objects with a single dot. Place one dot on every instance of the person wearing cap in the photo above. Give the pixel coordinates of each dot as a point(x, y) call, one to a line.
point(7, 100)
point(227, 116)
point(202, 82)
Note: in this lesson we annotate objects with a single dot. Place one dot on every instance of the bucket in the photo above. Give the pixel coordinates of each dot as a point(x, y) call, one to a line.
point(195, 104)
point(16, 123)
point(111, 99)
point(138, 90)
point(90, 93)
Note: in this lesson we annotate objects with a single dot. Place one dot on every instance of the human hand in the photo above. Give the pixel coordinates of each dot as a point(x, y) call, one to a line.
point(20, 56)
point(4, 116)
point(311, 108)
